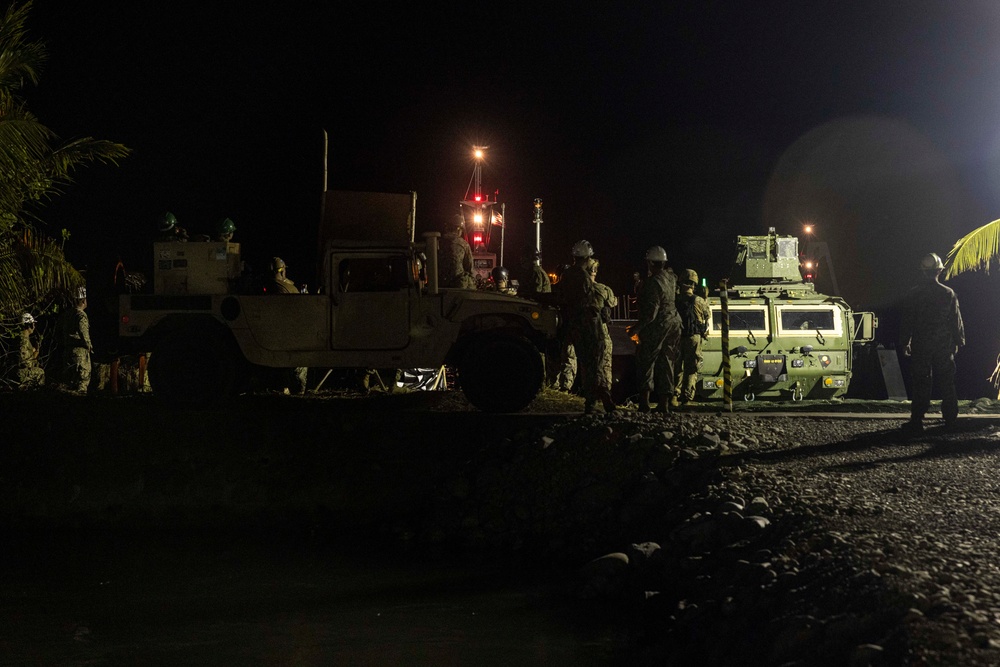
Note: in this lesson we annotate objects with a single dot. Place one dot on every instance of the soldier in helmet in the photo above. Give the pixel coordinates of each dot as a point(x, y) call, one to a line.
point(30, 374)
point(931, 333)
point(694, 313)
point(583, 327)
point(500, 280)
point(291, 380)
point(605, 301)
point(168, 229)
point(74, 327)
point(224, 230)
point(658, 330)
point(280, 284)
point(455, 257)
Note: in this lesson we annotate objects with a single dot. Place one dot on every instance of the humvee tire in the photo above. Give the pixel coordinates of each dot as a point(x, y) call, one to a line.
point(501, 372)
point(191, 365)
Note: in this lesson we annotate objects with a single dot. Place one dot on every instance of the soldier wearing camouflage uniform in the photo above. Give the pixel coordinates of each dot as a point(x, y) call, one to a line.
point(583, 327)
point(74, 326)
point(562, 369)
point(604, 300)
point(30, 374)
point(931, 333)
point(689, 358)
point(658, 330)
point(539, 281)
point(294, 380)
point(455, 258)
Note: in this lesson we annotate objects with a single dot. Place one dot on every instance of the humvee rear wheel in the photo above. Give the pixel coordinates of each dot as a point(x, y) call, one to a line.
point(193, 366)
point(501, 373)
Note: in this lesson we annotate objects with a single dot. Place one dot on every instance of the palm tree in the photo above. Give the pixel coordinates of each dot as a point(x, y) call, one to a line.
point(34, 167)
point(976, 250)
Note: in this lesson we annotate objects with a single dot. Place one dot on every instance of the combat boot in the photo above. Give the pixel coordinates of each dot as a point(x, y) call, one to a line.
point(674, 402)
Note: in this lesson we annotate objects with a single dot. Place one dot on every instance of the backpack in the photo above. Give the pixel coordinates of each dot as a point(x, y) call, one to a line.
point(690, 324)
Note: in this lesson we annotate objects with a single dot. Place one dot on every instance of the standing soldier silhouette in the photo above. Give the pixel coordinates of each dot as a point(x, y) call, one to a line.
point(658, 330)
point(74, 327)
point(695, 313)
point(583, 327)
point(931, 333)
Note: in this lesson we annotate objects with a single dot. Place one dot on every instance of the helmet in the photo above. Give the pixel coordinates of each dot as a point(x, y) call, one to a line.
point(167, 222)
point(583, 249)
point(656, 254)
point(458, 223)
point(226, 226)
point(691, 277)
point(277, 264)
point(499, 273)
point(27, 318)
point(931, 262)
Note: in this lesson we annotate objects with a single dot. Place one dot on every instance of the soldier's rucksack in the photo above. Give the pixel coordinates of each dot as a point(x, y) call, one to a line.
point(690, 324)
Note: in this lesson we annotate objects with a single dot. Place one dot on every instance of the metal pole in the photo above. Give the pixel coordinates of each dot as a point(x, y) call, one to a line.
point(503, 225)
point(727, 374)
point(538, 225)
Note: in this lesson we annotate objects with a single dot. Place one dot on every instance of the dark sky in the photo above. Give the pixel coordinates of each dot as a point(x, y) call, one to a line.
point(678, 124)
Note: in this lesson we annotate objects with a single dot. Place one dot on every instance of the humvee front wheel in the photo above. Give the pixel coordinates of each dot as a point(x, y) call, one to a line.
point(193, 366)
point(501, 373)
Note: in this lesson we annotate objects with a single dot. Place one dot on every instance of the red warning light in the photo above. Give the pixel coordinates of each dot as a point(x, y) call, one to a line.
point(479, 198)
point(477, 237)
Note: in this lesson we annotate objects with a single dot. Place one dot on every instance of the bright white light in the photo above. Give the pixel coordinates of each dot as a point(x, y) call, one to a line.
point(478, 218)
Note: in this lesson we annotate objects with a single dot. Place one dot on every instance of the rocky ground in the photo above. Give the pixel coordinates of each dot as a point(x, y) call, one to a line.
point(712, 537)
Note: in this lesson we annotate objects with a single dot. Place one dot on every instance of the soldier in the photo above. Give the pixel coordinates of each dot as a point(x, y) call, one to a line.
point(658, 330)
point(74, 327)
point(295, 379)
point(932, 333)
point(455, 257)
point(562, 369)
point(583, 327)
point(604, 300)
point(695, 313)
point(539, 282)
point(30, 373)
point(280, 284)
point(169, 230)
point(224, 230)
point(500, 280)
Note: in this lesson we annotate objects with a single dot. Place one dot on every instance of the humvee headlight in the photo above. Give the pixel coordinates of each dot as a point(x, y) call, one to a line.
point(798, 363)
point(535, 314)
point(750, 363)
point(712, 384)
point(831, 382)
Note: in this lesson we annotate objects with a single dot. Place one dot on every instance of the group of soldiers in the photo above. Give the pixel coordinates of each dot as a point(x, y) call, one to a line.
point(73, 331)
point(668, 353)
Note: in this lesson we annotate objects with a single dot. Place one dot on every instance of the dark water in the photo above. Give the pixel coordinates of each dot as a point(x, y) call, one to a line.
point(209, 599)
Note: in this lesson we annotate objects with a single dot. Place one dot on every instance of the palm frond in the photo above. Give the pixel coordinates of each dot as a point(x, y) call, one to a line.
point(976, 250)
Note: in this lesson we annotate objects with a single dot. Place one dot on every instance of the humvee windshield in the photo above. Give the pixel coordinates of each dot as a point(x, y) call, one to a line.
point(808, 319)
point(742, 320)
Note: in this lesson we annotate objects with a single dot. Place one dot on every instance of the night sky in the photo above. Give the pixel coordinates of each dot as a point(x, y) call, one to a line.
point(677, 124)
